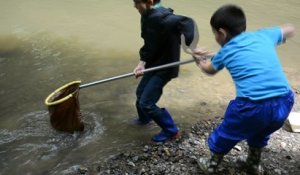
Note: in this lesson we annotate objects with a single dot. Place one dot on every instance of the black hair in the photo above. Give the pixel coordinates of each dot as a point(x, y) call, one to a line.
point(231, 18)
point(154, 1)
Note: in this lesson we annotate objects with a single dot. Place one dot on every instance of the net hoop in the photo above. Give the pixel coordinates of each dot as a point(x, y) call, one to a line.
point(48, 99)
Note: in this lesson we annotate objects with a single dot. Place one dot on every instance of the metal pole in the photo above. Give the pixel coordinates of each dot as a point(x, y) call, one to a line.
point(132, 74)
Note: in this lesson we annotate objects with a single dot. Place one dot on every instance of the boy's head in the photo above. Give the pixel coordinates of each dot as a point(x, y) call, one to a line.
point(144, 5)
point(145, 1)
point(227, 22)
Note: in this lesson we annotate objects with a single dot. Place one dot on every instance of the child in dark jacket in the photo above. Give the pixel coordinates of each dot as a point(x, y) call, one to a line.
point(161, 32)
point(263, 96)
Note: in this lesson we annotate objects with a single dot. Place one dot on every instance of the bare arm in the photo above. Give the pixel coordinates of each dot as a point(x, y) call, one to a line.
point(288, 31)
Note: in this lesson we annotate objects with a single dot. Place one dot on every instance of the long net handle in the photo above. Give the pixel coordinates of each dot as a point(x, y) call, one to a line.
point(132, 74)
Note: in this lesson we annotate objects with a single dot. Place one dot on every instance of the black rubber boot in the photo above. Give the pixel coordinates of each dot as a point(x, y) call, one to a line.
point(251, 162)
point(210, 165)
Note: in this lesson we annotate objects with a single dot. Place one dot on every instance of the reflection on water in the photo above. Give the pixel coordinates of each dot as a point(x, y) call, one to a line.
point(46, 44)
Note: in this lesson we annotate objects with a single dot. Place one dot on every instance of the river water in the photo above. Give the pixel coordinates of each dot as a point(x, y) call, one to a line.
point(46, 44)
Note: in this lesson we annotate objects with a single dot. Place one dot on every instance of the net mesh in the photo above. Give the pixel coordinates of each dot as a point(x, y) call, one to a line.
point(64, 109)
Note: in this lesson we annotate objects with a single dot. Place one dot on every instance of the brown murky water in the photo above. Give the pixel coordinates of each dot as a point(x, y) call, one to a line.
point(45, 44)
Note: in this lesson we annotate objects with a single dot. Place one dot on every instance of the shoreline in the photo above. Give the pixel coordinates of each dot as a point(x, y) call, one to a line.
point(280, 157)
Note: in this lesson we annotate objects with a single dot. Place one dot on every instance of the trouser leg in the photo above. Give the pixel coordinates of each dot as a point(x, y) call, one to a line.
point(142, 117)
point(152, 92)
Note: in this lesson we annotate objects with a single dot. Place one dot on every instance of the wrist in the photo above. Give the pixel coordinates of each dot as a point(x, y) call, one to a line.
point(142, 63)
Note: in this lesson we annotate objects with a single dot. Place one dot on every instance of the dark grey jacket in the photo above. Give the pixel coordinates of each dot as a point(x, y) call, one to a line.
point(161, 31)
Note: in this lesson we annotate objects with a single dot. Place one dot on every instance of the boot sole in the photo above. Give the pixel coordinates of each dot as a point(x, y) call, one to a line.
point(175, 136)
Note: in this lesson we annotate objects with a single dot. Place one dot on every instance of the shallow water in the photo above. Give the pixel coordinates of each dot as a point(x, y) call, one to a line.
point(46, 44)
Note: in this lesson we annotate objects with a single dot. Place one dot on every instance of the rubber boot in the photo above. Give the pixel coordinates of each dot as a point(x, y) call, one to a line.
point(169, 128)
point(142, 119)
point(210, 165)
point(251, 163)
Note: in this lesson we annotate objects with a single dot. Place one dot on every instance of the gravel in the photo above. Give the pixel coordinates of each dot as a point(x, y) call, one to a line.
point(178, 157)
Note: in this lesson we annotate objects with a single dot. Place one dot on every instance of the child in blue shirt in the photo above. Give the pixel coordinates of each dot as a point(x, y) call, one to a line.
point(263, 96)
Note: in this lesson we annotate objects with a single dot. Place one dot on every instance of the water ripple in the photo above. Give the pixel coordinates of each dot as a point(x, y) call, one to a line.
point(36, 141)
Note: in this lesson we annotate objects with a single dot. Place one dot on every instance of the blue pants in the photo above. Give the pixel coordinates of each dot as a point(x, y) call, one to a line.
point(148, 93)
point(249, 120)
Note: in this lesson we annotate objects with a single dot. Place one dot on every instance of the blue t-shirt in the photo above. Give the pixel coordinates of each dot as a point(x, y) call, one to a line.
point(252, 61)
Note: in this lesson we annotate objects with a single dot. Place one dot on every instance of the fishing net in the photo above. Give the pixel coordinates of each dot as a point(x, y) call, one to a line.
point(64, 110)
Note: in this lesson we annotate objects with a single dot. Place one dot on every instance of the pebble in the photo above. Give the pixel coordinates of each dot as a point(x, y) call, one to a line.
point(238, 148)
point(283, 144)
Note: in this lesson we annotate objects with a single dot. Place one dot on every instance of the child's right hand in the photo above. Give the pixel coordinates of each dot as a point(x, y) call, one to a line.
point(139, 70)
point(201, 54)
point(202, 58)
